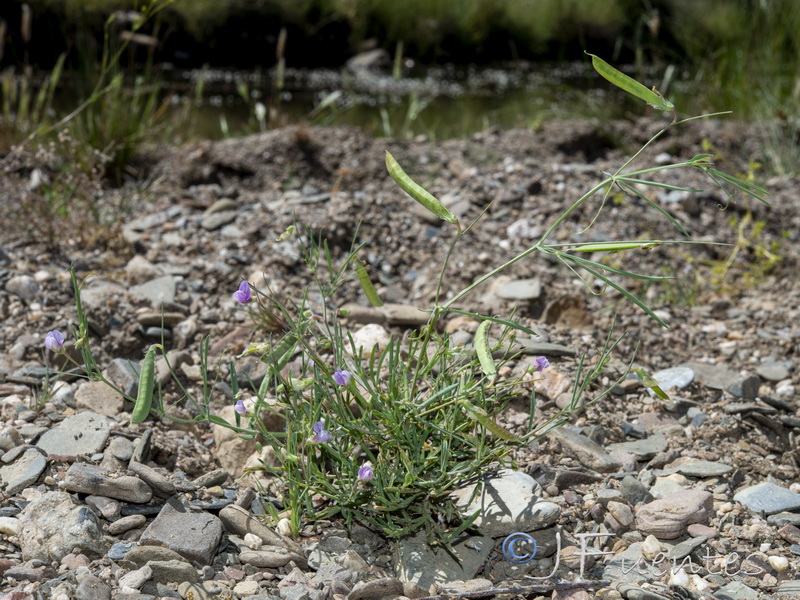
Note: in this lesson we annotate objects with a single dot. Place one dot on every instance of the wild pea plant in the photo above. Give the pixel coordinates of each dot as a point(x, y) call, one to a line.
point(382, 435)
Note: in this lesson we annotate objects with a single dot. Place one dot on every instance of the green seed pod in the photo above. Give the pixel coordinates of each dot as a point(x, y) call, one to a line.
point(144, 398)
point(416, 191)
point(366, 285)
point(483, 350)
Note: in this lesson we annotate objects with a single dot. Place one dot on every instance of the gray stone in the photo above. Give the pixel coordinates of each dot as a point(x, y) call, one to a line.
point(124, 374)
point(744, 386)
point(160, 484)
point(508, 503)
point(92, 588)
point(643, 449)
point(240, 521)
point(417, 561)
point(23, 286)
point(528, 345)
point(630, 567)
point(193, 535)
point(768, 498)
point(268, 559)
point(171, 571)
point(632, 592)
point(99, 398)
point(668, 517)
point(784, 518)
point(788, 590)
point(405, 315)
point(703, 468)
point(773, 371)
point(84, 433)
point(634, 491)
point(376, 589)
point(676, 377)
point(51, 526)
point(521, 289)
point(141, 555)
point(736, 590)
point(136, 579)
point(216, 220)
point(108, 508)
point(23, 472)
point(158, 291)
point(126, 523)
point(10, 438)
point(685, 548)
point(585, 451)
point(88, 479)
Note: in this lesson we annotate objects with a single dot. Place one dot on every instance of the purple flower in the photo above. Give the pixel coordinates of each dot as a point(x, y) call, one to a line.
point(365, 472)
point(320, 435)
point(54, 341)
point(243, 293)
point(342, 377)
point(541, 363)
point(240, 408)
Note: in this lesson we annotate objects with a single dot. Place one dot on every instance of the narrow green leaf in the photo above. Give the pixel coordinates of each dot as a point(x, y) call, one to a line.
point(632, 190)
point(617, 246)
point(483, 350)
point(630, 85)
point(366, 285)
point(416, 191)
point(579, 260)
point(650, 382)
point(480, 416)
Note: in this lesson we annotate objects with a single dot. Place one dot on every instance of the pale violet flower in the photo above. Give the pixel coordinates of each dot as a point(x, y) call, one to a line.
point(243, 293)
point(240, 408)
point(342, 377)
point(54, 341)
point(541, 363)
point(365, 473)
point(320, 434)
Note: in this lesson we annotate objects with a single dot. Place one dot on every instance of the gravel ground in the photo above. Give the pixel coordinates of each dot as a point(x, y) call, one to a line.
point(91, 503)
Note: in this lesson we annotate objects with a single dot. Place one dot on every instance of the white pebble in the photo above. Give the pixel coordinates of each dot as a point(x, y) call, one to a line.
point(284, 527)
point(699, 583)
point(679, 577)
point(9, 526)
point(651, 547)
point(252, 541)
point(779, 563)
point(726, 508)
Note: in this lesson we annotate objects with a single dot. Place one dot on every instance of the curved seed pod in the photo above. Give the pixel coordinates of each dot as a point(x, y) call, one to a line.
point(483, 350)
point(144, 397)
point(416, 191)
point(630, 85)
point(367, 286)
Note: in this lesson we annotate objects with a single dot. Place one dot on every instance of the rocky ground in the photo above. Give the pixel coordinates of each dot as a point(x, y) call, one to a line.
point(707, 482)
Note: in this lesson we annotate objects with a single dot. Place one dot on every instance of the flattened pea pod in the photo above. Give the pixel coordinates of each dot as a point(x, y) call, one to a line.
point(416, 191)
point(483, 350)
point(366, 284)
point(144, 397)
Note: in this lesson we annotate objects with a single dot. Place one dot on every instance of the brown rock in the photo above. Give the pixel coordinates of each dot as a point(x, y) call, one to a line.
point(669, 517)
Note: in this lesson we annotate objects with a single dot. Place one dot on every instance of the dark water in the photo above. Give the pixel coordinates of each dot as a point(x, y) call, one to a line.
point(440, 103)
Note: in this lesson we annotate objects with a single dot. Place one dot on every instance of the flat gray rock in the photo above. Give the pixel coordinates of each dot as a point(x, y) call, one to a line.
point(89, 479)
point(630, 567)
point(590, 454)
point(521, 289)
point(508, 503)
point(788, 590)
point(736, 590)
point(23, 472)
point(192, 534)
point(773, 371)
point(157, 291)
point(644, 449)
point(768, 498)
point(676, 377)
point(98, 397)
point(424, 565)
point(703, 468)
point(84, 433)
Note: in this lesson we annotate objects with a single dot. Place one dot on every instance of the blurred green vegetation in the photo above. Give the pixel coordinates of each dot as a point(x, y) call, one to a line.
point(740, 55)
